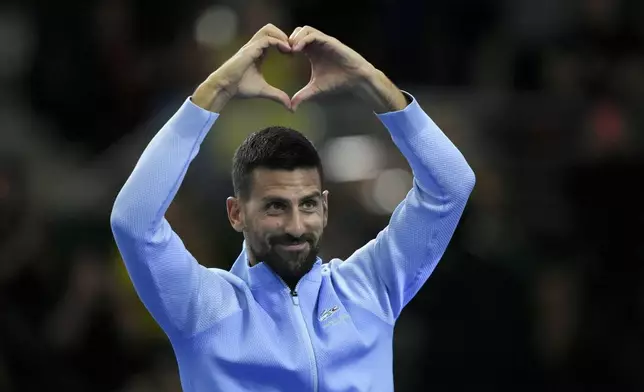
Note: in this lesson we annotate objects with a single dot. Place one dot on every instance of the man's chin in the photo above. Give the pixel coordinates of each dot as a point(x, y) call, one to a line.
point(292, 263)
point(295, 262)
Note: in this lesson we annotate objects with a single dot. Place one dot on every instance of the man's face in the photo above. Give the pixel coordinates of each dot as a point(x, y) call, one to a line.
point(283, 219)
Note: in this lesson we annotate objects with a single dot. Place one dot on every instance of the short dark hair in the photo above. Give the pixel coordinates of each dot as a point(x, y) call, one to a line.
point(277, 148)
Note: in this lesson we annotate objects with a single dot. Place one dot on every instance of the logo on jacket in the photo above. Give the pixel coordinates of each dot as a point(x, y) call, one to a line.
point(328, 313)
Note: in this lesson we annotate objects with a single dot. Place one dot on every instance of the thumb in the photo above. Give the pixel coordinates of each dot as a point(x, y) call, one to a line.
point(307, 92)
point(275, 94)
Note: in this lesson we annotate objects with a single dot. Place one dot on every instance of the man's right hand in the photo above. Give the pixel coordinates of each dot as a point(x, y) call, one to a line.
point(241, 76)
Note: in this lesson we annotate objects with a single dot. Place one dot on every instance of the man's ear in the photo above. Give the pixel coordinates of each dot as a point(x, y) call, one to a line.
point(235, 213)
point(325, 206)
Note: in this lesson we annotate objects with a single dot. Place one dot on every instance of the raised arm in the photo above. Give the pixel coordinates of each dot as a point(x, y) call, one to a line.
point(387, 272)
point(183, 296)
point(394, 266)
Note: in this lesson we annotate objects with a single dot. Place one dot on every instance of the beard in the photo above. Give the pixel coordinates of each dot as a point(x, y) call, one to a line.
point(290, 265)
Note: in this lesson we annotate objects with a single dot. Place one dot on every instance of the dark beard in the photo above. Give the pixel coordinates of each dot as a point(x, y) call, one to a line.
point(289, 266)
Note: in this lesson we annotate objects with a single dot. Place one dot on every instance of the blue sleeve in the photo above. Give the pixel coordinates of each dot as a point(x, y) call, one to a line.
point(183, 296)
point(392, 268)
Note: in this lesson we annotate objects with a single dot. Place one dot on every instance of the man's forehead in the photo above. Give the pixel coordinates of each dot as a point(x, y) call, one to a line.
point(286, 183)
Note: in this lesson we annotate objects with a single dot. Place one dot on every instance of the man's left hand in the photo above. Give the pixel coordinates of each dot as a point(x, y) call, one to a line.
point(335, 66)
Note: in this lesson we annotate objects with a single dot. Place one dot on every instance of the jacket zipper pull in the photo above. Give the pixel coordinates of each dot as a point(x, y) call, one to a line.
point(295, 298)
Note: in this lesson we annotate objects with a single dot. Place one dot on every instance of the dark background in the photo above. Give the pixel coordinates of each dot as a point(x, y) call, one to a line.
point(542, 286)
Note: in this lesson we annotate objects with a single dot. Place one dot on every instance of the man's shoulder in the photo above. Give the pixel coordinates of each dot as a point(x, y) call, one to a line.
point(333, 270)
point(356, 286)
point(331, 265)
point(219, 273)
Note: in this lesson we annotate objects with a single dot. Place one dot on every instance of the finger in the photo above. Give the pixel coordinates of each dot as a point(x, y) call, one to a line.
point(270, 30)
point(275, 94)
point(307, 92)
point(299, 34)
point(301, 42)
point(294, 33)
point(309, 30)
point(273, 31)
point(268, 41)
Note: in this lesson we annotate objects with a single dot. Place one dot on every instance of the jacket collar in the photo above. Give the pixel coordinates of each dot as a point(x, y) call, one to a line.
point(262, 275)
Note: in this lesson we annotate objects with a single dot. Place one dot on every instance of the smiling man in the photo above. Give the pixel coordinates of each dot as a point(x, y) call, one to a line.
point(280, 206)
point(281, 319)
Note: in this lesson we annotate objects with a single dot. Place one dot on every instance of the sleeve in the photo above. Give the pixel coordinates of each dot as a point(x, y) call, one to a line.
point(391, 268)
point(183, 296)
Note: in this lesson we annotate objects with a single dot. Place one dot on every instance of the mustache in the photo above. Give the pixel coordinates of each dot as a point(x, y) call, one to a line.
point(287, 239)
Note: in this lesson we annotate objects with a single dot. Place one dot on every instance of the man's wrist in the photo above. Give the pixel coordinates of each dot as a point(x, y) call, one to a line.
point(210, 97)
point(381, 93)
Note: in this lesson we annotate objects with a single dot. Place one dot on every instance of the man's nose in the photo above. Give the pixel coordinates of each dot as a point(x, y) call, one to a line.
point(295, 225)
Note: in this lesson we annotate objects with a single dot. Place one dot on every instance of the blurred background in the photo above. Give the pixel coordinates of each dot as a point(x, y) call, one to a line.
point(542, 287)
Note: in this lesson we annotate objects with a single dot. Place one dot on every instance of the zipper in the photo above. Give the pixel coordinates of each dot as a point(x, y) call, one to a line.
point(296, 303)
point(300, 317)
point(295, 298)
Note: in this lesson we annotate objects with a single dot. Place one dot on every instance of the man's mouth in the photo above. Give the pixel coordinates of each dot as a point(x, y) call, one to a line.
point(294, 246)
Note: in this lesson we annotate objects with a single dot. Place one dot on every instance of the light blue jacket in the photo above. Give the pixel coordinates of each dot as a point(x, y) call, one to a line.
point(243, 329)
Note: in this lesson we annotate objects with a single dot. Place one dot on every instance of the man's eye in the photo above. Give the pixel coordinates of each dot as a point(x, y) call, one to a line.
point(309, 204)
point(275, 206)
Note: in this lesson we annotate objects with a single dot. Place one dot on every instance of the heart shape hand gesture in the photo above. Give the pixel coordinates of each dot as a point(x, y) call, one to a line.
point(334, 67)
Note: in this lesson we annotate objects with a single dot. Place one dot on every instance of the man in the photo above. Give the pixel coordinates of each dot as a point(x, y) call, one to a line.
point(281, 320)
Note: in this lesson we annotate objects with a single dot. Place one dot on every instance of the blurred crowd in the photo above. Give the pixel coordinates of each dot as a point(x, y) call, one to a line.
point(542, 287)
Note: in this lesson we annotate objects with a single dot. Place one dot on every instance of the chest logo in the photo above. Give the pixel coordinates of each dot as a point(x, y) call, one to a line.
point(328, 313)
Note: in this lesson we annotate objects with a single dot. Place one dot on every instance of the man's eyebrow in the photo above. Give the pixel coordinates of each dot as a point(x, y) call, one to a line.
point(312, 195)
point(274, 198)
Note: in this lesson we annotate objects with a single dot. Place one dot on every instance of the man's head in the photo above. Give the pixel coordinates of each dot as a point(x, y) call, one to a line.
point(279, 202)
